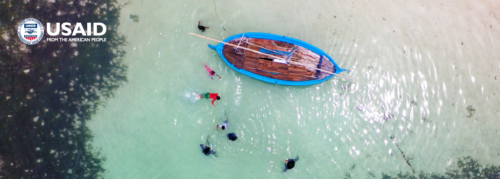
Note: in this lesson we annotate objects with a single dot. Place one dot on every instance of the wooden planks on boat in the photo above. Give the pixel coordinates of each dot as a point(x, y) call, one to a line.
point(252, 62)
point(281, 68)
point(267, 67)
point(299, 73)
point(236, 59)
point(271, 44)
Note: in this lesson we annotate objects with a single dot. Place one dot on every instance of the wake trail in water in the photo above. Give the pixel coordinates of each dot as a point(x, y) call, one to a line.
point(190, 96)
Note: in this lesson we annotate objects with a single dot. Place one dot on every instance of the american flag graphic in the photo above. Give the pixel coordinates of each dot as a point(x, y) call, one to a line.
point(30, 37)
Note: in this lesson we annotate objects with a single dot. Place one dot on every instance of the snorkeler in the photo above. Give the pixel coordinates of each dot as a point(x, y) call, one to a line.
point(223, 126)
point(211, 73)
point(232, 136)
point(290, 163)
point(206, 149)
point(213, 96)
point(224, 123)
point(202, 28)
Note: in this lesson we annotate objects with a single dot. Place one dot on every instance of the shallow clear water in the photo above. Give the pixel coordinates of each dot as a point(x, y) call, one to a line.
point(420, 65)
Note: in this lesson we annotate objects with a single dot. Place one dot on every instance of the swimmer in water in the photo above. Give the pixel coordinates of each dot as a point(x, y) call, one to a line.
point(211, 73)
point(202, 28)
point(223, 126)
point(213, 96)
point(206, 149)
point(232, 136)
point(290, 163)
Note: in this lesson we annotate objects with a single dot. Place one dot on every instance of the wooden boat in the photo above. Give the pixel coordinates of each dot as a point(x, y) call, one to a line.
point(277, 59)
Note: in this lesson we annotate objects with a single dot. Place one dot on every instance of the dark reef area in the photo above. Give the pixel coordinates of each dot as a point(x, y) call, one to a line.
point(466, 167)
point(49, 91)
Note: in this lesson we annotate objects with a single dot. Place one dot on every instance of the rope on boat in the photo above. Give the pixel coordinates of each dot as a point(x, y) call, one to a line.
point(241, 40)
point(275, 57)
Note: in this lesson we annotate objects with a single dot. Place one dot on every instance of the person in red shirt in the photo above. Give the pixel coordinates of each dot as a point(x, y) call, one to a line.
point(213, 96)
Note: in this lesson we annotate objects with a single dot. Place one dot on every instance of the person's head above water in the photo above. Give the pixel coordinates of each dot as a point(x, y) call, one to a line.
point(223, 127)
point(290, 164)
point(206, 150)
point(212, 72)
point(218, 97)
point(232, 136)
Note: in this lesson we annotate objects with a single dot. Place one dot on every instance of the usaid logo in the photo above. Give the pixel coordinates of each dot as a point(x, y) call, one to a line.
point(30, 31)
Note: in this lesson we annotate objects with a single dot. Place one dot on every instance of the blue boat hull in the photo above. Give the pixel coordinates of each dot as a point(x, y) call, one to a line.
point(258, 35)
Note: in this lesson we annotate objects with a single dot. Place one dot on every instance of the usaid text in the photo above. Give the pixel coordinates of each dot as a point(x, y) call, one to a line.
point(93, 30)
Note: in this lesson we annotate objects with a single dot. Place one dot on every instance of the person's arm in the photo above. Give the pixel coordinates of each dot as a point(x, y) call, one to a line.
point(202, 146)
point(219, 76)
point(213, 99)
point(217, 128)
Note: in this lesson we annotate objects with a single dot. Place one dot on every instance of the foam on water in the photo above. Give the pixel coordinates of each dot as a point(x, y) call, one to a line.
point(190, 96)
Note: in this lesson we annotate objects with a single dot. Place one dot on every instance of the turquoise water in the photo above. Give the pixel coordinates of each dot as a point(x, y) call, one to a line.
point(420, 65)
